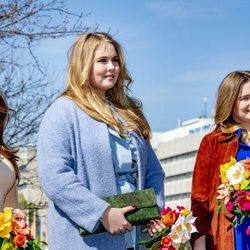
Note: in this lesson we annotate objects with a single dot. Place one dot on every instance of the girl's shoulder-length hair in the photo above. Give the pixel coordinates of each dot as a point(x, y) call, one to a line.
point(79, 88)
point(5, 151)
point(227, 95)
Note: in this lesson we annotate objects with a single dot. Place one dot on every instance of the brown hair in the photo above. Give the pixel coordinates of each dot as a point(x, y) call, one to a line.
point(227, 95)
point(5, 151)
point(83, 94)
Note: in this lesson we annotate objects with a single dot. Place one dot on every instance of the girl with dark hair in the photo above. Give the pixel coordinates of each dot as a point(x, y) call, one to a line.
point(9, 173)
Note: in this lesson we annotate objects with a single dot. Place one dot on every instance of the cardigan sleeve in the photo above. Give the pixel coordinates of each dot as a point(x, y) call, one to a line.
point(155, 176)
point(200, 189)
point(55, 169)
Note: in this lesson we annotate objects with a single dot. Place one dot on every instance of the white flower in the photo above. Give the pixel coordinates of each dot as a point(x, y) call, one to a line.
point(235, 174)
point(182, 229)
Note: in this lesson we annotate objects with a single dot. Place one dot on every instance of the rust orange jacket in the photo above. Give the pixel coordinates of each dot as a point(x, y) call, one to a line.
point(215, 149)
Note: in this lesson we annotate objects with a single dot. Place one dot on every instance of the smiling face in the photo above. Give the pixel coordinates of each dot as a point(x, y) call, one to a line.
point(241, 111)
point(105, 69)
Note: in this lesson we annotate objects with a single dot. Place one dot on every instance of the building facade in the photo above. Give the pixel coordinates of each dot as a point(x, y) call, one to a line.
point(177, 149)
point(31, 199)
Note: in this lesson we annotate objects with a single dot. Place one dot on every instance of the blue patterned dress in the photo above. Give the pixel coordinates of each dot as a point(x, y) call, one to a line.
point(124, 157)
point(242, 241)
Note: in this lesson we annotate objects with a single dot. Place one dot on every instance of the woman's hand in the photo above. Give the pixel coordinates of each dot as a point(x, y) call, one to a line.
point(114, 220)
point(155, 226)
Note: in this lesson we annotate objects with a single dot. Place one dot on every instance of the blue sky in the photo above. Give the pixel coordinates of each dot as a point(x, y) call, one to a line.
point(177, 51)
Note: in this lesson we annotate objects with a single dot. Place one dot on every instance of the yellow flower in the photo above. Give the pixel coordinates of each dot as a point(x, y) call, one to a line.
point(185, 212)
point(247, 175)
point(225, 167)
point(5, 223)
point(236, 187)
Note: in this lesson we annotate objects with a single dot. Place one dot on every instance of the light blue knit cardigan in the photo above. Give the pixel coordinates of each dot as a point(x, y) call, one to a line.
point(75, 171)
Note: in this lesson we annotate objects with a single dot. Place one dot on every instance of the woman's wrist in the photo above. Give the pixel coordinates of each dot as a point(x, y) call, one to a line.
point(105, 213)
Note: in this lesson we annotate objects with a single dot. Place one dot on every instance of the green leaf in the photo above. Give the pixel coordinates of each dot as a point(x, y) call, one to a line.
point(7, 244)
point(156, 246)
point(155, 238)
point(242, 219)
point(1, 241)
point(30, 247)
point(185, 246)
point(235, 221)
point(237, 211)
point(244, 184)
point(219, 208)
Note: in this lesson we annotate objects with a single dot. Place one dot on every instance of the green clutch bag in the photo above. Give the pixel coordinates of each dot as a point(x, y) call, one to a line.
point(144, 200)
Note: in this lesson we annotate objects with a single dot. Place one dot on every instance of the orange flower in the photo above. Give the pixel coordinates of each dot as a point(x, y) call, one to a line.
point(169, 218)
point(20, 227)
point(18, 223)
point(247, 165)
point(166, 241)
point(20, 241)
point(25, 231)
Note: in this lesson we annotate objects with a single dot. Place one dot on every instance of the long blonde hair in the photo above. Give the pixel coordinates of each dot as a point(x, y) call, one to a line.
point(83, 94)
point(5, 151)
point(227, 95)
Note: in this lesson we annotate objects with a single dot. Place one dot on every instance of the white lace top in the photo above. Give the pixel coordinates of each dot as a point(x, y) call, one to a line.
point(8, 190)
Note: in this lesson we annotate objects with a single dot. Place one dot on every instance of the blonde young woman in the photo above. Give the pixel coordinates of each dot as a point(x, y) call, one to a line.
point(9, 173)
point(94, 142)
point(230, 138)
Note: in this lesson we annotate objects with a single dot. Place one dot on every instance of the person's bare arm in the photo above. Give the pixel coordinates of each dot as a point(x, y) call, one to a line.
point(200, 244)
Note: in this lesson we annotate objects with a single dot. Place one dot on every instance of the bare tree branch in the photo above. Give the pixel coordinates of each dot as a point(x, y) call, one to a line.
point(24, 79)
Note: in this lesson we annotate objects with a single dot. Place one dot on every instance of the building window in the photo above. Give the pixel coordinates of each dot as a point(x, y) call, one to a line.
point(179, 157)
point(178, 177)
point(177, 196)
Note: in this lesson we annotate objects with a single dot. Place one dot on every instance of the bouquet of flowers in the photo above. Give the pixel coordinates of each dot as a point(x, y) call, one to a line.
point(234, 191)
point(15, 234)
point(176, 235)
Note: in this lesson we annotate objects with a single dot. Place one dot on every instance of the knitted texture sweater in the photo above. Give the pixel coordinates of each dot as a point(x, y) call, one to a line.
point(75, 170)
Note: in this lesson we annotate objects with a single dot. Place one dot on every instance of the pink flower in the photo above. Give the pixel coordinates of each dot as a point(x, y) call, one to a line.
point(243, 200)
point(247, 165)
point(166, 210)
point(248, 231)
point(18, 223)
point(166, 243)
point(20, 227)
point(224, 193)
point(25, 231)
point(180, 208)
point(230, 206)
point(18, 214)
